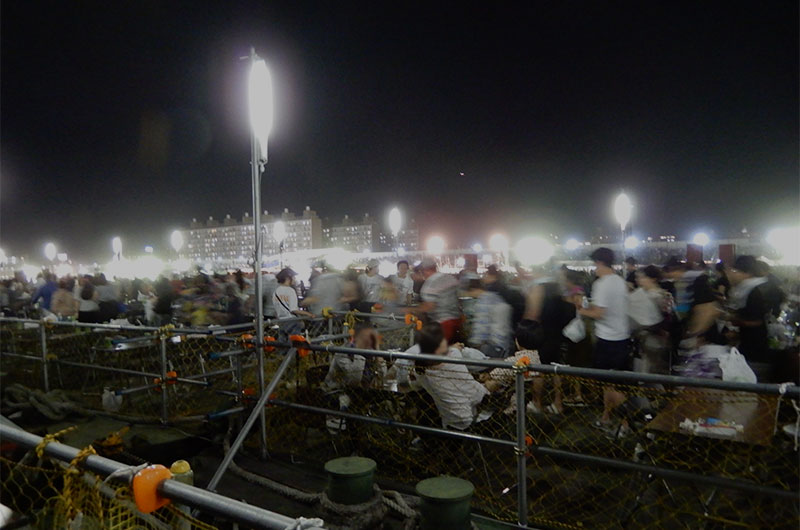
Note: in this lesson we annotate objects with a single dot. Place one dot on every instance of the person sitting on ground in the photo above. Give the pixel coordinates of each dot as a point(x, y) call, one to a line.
point(348, 369)
point(454, 391)
point(502, 378)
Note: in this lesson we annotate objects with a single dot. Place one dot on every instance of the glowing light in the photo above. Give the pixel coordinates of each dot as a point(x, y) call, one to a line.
point(572, 244)
point(63, 269)
point(786, 242)
point(50, 251)
point(176, 240)
point(30, 271)
point(499, 243)
point(148, 249)
point(701, 238)
point(533, 250)
point(477, 248)
point(631, 242)
point(338, 258)
point(435, 244)
point(279, 231)
point(116, 246)
point(62, 257)
point(261, 109)
point(622, 210)
point(401, 251)
point(395, 221)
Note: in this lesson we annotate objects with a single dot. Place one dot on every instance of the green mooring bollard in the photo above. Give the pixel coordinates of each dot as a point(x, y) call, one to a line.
point(445, 503)
point(350, 479)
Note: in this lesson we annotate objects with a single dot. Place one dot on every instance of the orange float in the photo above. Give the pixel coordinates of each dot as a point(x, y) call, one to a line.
point(145, 488)
point(301, 351)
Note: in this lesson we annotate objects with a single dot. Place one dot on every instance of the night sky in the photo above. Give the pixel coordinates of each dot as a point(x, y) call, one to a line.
point(130, 118)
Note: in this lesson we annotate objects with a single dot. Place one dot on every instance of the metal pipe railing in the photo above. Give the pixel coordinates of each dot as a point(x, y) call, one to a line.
point(205, 501)
point(257, 412)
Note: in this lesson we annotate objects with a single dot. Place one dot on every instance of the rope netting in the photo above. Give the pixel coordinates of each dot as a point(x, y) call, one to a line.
point(734, 435)
point(711, 433)
point(47, 493)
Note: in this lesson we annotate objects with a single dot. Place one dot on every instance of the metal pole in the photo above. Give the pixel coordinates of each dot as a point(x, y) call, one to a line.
point(258, 411)
point(521, 449)
point(164, 412)
point(206, 501)
point(255, 169)
point(43, 337)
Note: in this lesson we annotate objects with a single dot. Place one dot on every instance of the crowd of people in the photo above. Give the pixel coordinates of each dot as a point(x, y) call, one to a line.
point(629, 318)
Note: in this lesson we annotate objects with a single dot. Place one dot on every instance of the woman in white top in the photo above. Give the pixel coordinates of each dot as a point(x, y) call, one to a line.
point(647, 306)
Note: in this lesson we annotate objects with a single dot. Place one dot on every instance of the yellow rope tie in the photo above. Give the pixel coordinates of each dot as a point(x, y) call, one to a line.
point(72, 484)
point(47, 438)
point(165, 332)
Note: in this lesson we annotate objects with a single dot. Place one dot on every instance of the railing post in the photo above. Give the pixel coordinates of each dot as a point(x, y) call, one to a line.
point(521, 449)
point(258, 411)
point(330, 326)
point(43, 339)
point(164, 411)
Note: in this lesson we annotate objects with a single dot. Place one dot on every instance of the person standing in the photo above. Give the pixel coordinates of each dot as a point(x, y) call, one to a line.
point(403, 283)
point(609, 310)
point(439, 296)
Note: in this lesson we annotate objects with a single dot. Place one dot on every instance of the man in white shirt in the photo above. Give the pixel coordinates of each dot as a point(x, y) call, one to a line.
point(403, 283)
point(285, 298)
point(371, 282)
point(609, 309)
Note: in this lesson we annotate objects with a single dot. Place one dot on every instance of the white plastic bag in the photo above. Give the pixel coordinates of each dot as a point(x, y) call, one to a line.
point(735, 368)
point(575, 330)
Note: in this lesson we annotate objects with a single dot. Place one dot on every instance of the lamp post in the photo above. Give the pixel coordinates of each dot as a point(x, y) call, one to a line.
point(261, 114)
point(622, 212)
point(499, 243)
point(116, 248)
point(50, 253)
point(395, 222)
point(176, 241)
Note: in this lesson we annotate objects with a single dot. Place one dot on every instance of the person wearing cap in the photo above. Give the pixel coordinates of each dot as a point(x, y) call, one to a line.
point(439, 296)
point(285, 298)
point(371, 283)
point(609, 310)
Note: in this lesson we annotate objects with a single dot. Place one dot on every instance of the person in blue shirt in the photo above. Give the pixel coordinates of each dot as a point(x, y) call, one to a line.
point(45, 292)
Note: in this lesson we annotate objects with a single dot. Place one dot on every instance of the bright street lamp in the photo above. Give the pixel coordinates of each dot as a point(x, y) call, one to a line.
point(50, 251)
point(533, 250)
point(395, 221)
point(260, 100)
point(572, 244)
point(176, 240)
point(631, 242)
point(786, 242)
point(116, 247)
point(622, 210)
point(435, 244)
point(701, 239)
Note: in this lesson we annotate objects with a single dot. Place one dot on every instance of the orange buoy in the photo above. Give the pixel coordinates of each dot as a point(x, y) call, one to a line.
point(145, 488)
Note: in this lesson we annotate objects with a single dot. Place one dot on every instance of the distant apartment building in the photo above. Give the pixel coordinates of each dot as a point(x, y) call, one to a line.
point(357, 235)
point(407, 239)
point(230, 243)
